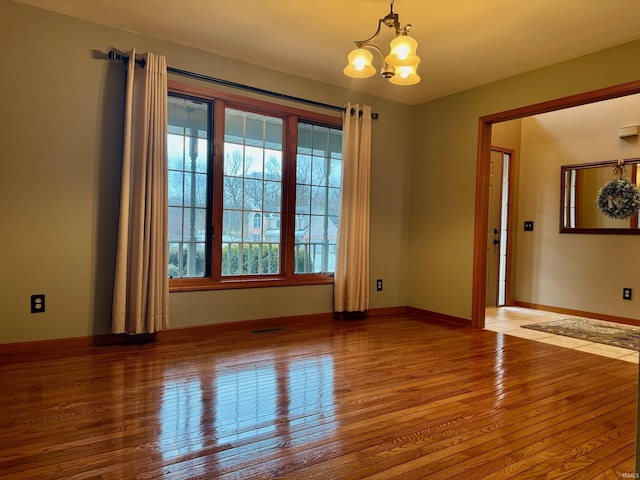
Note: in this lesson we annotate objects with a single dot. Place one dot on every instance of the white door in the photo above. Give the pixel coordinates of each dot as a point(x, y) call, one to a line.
point(493, 228)
point(498, 227)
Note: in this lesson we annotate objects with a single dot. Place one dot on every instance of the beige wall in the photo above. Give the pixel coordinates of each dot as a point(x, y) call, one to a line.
point(507, 135)
point(61, 105)
point(443, 171)
point(61, 134)
point(578, 271)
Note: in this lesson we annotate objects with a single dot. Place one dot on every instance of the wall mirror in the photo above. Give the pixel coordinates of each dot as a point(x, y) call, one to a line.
point(579, 187)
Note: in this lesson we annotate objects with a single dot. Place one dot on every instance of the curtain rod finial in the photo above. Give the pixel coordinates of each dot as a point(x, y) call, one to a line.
point(113, 55)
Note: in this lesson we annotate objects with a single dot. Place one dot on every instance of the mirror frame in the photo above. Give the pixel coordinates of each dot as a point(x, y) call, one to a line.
point(634, 162)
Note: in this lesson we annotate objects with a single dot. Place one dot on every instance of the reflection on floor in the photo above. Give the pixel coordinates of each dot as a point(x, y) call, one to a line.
point(508, 320)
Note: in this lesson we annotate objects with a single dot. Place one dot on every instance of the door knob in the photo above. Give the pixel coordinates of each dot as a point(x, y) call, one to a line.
point(496, 242)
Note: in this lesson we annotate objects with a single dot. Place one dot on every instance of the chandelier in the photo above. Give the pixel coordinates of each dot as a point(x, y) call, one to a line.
point(399, 65)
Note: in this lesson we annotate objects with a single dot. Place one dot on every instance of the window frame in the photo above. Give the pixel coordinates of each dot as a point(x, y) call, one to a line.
point(291, 116)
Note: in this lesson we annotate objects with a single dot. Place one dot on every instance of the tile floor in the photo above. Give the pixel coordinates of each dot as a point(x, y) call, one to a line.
point(508, 320)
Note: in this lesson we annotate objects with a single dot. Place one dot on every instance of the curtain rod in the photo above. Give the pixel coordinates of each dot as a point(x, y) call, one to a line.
point(113, 55)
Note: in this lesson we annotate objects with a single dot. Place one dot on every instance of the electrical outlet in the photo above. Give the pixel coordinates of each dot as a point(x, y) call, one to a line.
point(626, 293)
point(379, 285)
point(37, 303)
point(528, 226)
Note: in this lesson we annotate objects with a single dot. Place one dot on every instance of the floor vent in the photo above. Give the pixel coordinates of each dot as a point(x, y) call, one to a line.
point(268, 330)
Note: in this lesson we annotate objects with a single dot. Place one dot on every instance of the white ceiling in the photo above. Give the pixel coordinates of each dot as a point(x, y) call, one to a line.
point(462, 43)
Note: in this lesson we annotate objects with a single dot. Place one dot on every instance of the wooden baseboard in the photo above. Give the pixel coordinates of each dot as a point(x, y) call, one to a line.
point(73, 343)
point(82, 343)
point(579, 313)
point(441, 317)
point(41, 346)
point(387, 312)
point(243, 326)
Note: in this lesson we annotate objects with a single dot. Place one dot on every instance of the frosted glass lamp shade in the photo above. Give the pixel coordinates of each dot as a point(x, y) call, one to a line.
point(403, 52)
point(360, 65)
point(405, 76)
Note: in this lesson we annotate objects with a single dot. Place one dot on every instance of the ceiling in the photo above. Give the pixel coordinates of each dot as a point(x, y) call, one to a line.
point(462, 43)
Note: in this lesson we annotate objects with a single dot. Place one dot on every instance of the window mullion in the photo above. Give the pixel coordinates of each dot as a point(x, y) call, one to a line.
point(218, 171)
point(289, 196)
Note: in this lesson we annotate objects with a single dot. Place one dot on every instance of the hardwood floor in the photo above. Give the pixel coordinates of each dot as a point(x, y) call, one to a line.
point(383, 398)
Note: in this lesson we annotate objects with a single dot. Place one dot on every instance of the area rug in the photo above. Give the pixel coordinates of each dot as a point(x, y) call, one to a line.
point(625, 336)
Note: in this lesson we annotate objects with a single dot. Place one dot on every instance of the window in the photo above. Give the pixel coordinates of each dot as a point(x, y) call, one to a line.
point(318, 182)
point(188, 144)
point(254, 191)
point(252, 188)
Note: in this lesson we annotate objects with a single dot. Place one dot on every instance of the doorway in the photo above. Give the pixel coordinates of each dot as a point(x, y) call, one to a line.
point(483, 174)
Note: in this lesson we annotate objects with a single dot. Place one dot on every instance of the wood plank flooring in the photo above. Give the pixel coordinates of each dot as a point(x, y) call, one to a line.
point(384, 398)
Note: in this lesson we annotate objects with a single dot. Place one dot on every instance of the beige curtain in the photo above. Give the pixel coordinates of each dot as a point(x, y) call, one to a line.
point(351, 287)
point(141, 289)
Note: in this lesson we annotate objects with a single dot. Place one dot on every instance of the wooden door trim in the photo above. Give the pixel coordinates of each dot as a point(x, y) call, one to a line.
point(482, 176)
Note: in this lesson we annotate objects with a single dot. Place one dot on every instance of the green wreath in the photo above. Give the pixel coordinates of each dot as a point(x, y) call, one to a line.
point(619, 199)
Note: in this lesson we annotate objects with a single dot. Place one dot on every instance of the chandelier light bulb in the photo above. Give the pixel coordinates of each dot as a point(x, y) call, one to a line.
point(360, 64)
point(405, 76)
point(403, 52)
